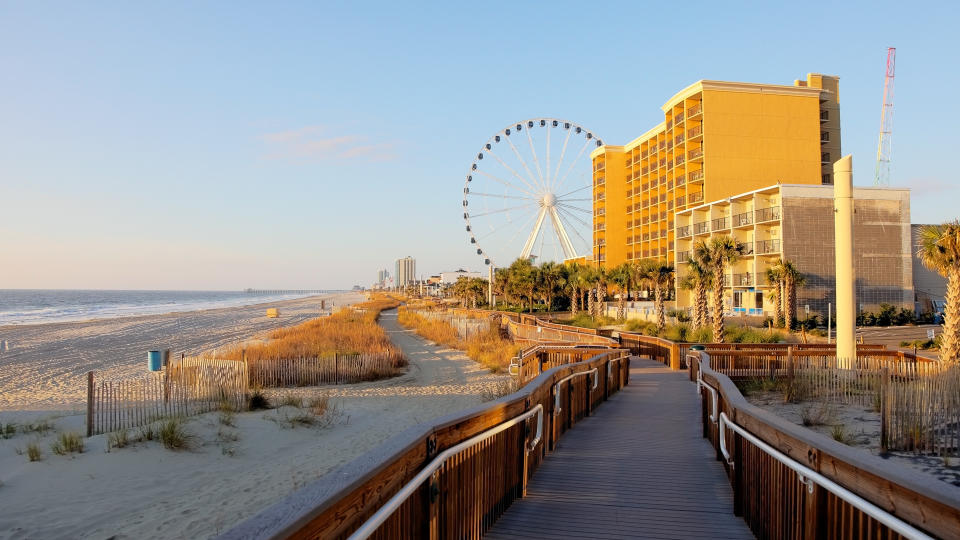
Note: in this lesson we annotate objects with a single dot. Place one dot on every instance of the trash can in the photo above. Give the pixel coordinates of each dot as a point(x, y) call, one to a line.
point(697, 347)
point(154, 360)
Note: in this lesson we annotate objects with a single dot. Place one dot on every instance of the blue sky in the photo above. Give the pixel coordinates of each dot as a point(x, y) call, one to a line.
point(238, 144)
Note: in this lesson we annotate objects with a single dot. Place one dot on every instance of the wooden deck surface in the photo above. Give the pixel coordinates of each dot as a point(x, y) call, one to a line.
point(638, 468)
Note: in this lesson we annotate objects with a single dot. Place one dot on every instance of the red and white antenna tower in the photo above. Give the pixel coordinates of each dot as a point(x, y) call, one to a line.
point(882, 175)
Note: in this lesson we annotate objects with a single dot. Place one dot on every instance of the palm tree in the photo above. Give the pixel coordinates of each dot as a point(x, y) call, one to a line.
point(621, 277)
point(573, 286)
point(939, 250)
point(718, 252)
point(589, 277)
point(656, 275)
point(697, 279)
point(553, 278)
point(601, 292)
point(792, 278)
point(775, 279)
point(476, 290)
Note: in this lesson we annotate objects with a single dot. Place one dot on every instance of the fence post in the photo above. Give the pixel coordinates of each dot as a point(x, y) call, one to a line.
point(675, 357)
point(90, 408)
point(885, 411)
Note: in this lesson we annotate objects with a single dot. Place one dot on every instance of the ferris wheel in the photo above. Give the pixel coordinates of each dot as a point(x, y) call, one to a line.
point(527, 174)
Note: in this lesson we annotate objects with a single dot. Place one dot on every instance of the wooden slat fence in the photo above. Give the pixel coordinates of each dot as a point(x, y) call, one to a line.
point(189, 386)
point(775, 503)
point(336, 369)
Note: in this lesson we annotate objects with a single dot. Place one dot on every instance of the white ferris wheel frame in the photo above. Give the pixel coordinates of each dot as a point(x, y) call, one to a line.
point(538, 187)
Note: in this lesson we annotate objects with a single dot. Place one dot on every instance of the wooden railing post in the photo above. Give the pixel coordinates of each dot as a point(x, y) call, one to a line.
point(885, 407)
point(738, 473)
point(675, 357)
point(90, 404)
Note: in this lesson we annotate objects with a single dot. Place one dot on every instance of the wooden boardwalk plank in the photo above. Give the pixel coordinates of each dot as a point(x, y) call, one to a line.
point(638, 468)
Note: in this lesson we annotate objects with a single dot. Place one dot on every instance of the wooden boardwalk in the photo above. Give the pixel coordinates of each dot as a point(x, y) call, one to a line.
point(639, 468)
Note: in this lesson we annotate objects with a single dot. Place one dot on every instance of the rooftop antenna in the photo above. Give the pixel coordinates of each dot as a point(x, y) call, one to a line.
point(882, 175)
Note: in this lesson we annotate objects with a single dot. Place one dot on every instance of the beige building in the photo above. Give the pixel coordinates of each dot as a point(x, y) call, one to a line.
point(930, 288)
point(795, 223)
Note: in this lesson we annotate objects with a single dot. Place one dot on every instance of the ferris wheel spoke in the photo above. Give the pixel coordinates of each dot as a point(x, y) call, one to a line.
point(524, 163)
point(563, 152)
point(507, 226)
point(574, 191)
point(536, 161)
point(504, 182)
point(495, 195)
point(546, 178)
point(575, 231)
point(573, 163)
point(574, 217)
point(572, 200)
point(565, 244)
point(472, 216)
point(534, 187)
point(577, 208)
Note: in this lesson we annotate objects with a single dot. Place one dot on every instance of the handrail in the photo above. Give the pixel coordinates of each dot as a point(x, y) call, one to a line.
point(809, 477)
point(898, 499)
point(556, 387)
point(391, 506)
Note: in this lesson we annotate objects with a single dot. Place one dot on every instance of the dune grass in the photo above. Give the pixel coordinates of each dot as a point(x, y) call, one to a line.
point(487, 348)
point(66, 443)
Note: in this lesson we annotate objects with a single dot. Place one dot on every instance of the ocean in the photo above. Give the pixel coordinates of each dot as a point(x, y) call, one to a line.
point(27, 306)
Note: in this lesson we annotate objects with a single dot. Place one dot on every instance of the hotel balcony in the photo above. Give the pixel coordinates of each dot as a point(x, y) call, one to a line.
point(824, 116)
point(719, 224)
point(694, 111)
point(680, 180)
point(695, 132)
point(683, 256)
point(696, 197)
point(768, 247)
point(681, 200)
point(601, 180)
point(743, 219)
point(683, 232)
point(695, 176)
point(740, 280)
point(747, 248)
point(768, 214)
point(678, 139)
point(696, 154)
point(598, 167)
point(701, 228)
point(680, 160)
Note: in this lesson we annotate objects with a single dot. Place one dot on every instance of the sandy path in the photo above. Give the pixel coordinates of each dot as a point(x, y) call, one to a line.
point(44, 368)
point(145, 491)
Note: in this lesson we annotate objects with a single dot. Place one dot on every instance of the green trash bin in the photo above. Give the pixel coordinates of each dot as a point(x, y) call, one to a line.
point(697, 348)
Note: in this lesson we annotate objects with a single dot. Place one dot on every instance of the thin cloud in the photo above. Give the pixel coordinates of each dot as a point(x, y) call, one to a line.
point(311, 142)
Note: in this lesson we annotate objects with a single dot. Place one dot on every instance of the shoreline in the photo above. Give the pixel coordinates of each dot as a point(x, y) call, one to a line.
point(45, 364)
point(272, 303)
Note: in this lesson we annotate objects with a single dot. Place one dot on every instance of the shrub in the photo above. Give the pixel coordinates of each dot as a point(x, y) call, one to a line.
point(118, 439)
point(319, 404)
point(676, 332)
point(839, 434)
point(227, 418)
point(701, 335)
point(147, 433)
point(680, 315)
point(174, 435)
point(258, 400)
point(291, 400)
point(33, 452)
point(41, 427)
point(67, 443)
point(7, 431)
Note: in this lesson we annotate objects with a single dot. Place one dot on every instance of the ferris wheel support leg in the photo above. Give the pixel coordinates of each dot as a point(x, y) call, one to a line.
point(568, 250)
point(528, 247)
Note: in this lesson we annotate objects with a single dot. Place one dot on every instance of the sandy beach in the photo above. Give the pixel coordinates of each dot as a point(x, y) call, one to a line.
point(44, 367)
point(231, 472)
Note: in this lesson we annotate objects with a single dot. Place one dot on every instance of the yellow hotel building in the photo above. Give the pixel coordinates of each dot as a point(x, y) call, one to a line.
point(717, 140)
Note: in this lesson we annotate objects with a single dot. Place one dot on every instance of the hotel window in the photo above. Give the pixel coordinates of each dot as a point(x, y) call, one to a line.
point(825, 157)
point(758, 296)
point(737, 298)
point(826, 179)
point(825, 136)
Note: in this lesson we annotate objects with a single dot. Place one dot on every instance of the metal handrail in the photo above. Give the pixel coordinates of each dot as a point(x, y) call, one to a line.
point(806, 475)
point(610, 365)
point(556, 387)
point(809, 477)
point(391, 506)
point(517, 361)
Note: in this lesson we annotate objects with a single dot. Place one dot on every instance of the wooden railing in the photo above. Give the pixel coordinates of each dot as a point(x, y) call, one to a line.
point(791, 482)
point(479, 460)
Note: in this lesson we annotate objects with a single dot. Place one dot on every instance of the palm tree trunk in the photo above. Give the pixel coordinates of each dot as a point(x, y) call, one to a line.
point(658, 303)
point(790, 307)
point(575, 301)
point(590, 302)
point(718, 303)
point(622, 305)
point(950, 340)
point(700, 305)
point(778, 303)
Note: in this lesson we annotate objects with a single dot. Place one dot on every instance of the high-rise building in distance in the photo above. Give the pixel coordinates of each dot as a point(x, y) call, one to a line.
point(405, 271)
point(382, 278)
